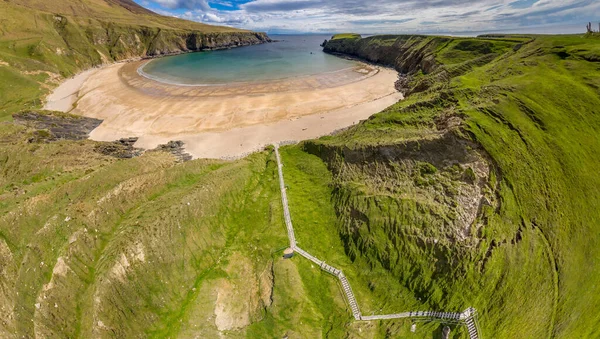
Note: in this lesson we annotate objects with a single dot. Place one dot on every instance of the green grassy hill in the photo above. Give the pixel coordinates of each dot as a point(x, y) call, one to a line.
point(42, 42)
point(477, 190)
point(504, 127)
point(117, 12)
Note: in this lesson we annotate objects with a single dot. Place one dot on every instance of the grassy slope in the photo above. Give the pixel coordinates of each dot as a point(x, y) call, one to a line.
point(93, 246)
point(116, 207)
point(532, 269)
point(534, 111)
point(116, 12)
point(310, 186)
point(37, 47)
point(346, 36)
point(546, 144)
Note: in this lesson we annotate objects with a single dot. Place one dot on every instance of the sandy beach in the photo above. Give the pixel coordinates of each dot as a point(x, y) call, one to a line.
point(63, 98)
point(224, 121)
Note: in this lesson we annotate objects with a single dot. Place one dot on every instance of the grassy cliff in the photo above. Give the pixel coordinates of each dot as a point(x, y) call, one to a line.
point(42, 42)
point(480, 188)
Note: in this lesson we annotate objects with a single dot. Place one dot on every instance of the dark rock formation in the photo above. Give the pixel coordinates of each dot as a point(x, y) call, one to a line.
point(169, 42)
point(406, 53)
point(126, 42)
point(402, 85)
point(122, 148)
point(95, 42)
point(52, 126)
point(175, 148)
point(446, 332)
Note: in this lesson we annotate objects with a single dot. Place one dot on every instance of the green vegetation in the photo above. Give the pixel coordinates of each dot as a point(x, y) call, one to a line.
point(95, 246)
point(311, 188)
point(533, 108)
point(479, 189)
point(461, 50)
point(346, 36)
point(42, 42)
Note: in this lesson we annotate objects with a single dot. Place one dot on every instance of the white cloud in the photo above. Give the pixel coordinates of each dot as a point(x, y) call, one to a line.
point(388, 16)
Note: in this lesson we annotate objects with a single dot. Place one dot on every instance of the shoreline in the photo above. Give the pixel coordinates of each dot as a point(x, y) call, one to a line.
point(228, 121)
point(64, 97)
point(70, 86)
point(238, 143)
point(140, 71)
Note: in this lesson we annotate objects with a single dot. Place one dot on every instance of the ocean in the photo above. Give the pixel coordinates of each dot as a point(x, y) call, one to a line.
point(291, 56)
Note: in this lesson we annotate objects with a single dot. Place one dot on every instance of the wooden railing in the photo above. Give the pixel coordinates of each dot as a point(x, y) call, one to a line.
point(469, 316)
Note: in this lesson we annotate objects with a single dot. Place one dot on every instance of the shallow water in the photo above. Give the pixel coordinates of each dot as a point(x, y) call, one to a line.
point(291, 56)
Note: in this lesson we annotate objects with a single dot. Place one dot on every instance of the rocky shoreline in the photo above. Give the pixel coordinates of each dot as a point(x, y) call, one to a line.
point(407, 54)
point(401, 55)
point(213, 44)
point(50, 126)
point(53, 126)
point(404, 79)
point(199, 42)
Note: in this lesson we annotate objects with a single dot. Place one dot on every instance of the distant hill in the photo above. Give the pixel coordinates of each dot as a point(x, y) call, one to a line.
point(116, 11)
point(132, 6)
point(82, 7)
point(42, 41)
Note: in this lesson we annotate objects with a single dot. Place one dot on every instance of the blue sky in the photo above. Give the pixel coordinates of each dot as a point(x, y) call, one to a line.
point(387, 16)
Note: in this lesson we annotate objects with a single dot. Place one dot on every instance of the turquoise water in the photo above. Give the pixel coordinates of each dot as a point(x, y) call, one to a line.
point(292, 56)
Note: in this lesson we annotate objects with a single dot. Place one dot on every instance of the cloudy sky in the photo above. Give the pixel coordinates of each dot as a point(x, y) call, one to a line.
point(387, 16)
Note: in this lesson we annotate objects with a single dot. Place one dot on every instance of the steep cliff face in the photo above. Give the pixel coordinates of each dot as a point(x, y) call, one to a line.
point(103, 42)
point(144, 42)
point(411, 54)
point(407, 54)
point(425, 62)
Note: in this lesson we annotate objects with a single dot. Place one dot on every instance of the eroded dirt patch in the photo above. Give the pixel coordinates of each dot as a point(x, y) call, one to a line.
point(241, 297)
point(7, 300)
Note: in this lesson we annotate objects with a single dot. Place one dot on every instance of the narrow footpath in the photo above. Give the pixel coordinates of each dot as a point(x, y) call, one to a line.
point(468, 317)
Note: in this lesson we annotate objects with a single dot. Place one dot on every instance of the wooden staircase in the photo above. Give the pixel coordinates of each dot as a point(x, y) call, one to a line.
point(350, 296)
point(468, 317)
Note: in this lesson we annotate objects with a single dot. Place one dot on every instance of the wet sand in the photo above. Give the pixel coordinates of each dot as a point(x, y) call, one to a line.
point(225, 121)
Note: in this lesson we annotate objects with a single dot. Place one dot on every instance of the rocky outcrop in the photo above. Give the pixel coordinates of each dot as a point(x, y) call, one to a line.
point(144, 42)
point(176, 149)
point(124, 149)
point(440, 58)
point(121, 149)
point(406, 53)
point(49, 126)
point(212, 41)
point(52, 126)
